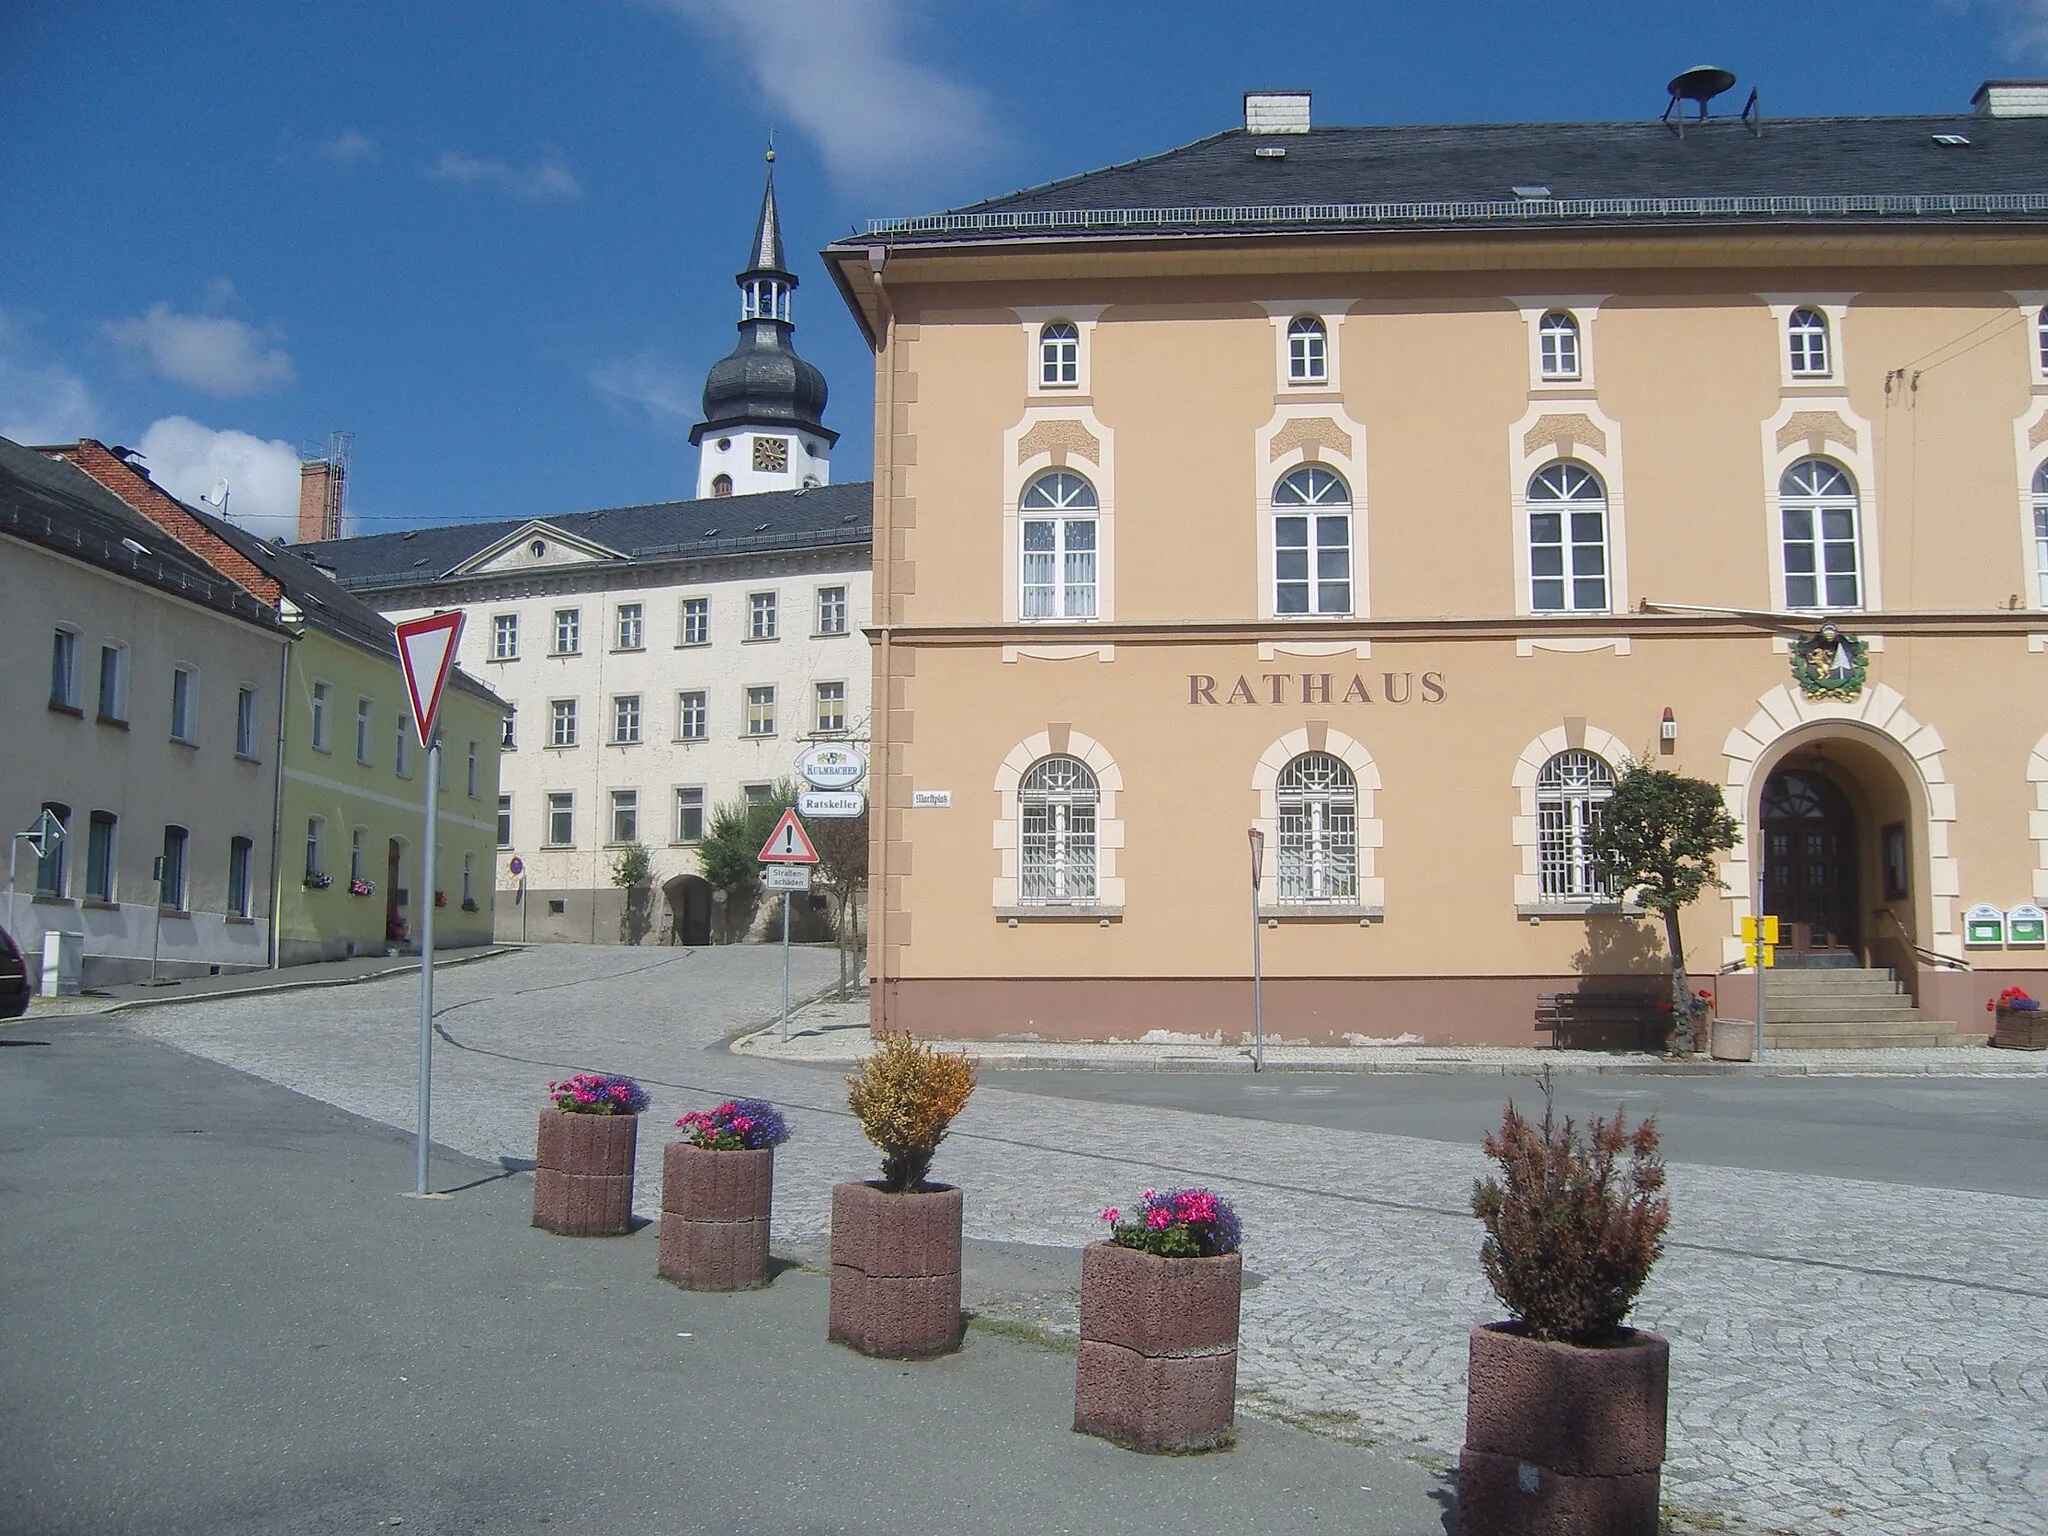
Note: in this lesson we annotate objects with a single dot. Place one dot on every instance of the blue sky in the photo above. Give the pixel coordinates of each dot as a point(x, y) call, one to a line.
point(496, 241)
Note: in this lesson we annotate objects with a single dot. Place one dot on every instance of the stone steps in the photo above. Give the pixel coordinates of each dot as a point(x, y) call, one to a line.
point(1844, 1008)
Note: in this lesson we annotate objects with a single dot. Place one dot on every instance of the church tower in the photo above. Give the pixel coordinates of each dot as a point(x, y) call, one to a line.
point(762, 403)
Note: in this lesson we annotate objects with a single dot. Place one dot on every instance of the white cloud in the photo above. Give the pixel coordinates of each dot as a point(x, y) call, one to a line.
point(348, 147)
point(670, 397)
point(220, 355)
point(2023, 23)
point(836, 69)
point(550, 181)
point(41, 403)
point(189, 460)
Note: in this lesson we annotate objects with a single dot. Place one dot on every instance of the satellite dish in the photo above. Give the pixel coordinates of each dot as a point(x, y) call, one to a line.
point(1702, 83)
point(218, 497)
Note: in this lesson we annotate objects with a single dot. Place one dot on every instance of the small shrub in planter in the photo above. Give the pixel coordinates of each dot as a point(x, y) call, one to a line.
point(1565, 1405)
point(717, 1189)
point(583, 1167)
point(896, 1240)
point(1157, 1366)
point(2020, 1024)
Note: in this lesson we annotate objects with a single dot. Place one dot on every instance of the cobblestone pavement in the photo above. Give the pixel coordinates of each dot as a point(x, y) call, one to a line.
point(1847, 1357)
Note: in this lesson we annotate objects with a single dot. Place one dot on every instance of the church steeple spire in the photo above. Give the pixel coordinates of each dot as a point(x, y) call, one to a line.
point(762, 427)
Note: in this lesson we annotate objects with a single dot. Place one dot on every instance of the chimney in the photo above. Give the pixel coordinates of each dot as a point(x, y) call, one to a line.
point(1276, 111)
point(320, 484)
point(2011, 98)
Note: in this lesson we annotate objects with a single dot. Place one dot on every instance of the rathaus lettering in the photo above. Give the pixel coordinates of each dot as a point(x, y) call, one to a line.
point(1317, 688)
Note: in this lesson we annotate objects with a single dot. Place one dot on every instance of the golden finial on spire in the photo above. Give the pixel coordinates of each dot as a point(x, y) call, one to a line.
point(771, 144)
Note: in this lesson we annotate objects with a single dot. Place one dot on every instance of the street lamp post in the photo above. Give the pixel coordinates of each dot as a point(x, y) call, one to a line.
point(1258, 840)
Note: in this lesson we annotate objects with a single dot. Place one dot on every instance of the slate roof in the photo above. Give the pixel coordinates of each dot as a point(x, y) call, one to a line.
point(325, 603)
point(1830, 170)
point(822, 517)
point(59, 507)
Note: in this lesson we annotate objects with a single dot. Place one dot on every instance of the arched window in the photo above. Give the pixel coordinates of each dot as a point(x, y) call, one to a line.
point(721, 485)
point(1557, 343)
point(1308, 351)
point(1059, 356)
point(2041, 535)
point(1823, 565)
point(50, 863)
point(1056, 802)
point(1567, 540)
point(1311, 542)
point(1058, 512)
point(2041, 336)
point(1807, 335)
point(1318, 806)
point(1570, 793)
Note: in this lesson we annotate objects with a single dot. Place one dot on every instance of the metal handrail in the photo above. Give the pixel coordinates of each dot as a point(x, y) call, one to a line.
point(1928, 956)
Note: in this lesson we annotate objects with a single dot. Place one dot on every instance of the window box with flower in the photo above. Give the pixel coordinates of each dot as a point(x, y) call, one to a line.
point(1157, 1366)
point(717, 1189)
point(360, 887)
point(583, 1166)
point(316, 881)
point(2021, 1025)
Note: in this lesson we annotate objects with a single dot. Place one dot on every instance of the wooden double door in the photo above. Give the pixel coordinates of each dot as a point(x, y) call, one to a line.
point(1811, 875)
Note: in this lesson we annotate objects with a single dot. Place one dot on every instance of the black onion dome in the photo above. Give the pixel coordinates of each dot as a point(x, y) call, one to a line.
point(762, 379)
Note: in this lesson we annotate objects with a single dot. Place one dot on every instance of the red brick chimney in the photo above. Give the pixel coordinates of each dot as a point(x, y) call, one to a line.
point(320, 484)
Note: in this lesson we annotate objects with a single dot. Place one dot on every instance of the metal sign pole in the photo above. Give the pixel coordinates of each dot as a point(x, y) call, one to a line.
point(1761, 929)
point(427, 964)
point(13, 847)
point(785, 965)
point(1258, 981)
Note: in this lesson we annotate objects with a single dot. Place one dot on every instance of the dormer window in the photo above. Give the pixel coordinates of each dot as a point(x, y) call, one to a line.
point(1308, 351)
point(1059, 356)
point(1557, 340)
point(1807, 337)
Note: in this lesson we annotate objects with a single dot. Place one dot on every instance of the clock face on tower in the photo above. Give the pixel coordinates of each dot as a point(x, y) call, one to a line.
point(771, 455)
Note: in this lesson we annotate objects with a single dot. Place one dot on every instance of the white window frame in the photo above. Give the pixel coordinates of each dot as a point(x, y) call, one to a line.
point(760, 717)
point(1559, 354)
point(1308, 351)
point(508, 729)
point(1297, 497)
point(832, 610)
point(689, 803)
point(1808, 332)
point(504, 824)
point(1033, 321)
point(241, 875)
point(561, 817)
point(475, 767)
point(248, 721)
point(1571, 787)
point(764, 619)
point(561, 724)
point(629, 627)
point(322, 738)
point(66, 645)
point(1316, 819)
point(316, 845)
point(1562, 480)
point(2040, 510)
point(625, 720)
point(568, 632)
point(468, 878)
point(505, 637)
point(1059, 805)
point(401, 749)
point(1814, 506)
point(174, 890)
point(365, 723)
point(693, 624)
point(693, 707)
point(625, 817)
point(834, 723)
point(1066, 502)
point(358, 854)
point(185, 704)
point(1059, 355)
point(52, 875)
point(102, 889)
point(110, 700)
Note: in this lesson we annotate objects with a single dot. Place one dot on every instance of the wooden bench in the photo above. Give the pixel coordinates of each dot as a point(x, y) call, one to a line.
point(1594, 1020)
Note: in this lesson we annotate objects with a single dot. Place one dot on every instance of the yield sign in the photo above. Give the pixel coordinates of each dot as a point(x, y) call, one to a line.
point(426, 649)
point(788, 844)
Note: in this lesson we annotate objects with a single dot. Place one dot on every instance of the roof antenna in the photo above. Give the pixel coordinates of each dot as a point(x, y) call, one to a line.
point(1753, 113)
point(1701, 84)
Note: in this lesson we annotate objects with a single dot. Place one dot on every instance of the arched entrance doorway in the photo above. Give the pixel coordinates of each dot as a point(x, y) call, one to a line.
point(689, 905)
point(1812, 867)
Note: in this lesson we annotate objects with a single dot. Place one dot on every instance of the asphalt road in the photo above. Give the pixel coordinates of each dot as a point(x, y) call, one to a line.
point(221, 1314)
point(1988, 1135)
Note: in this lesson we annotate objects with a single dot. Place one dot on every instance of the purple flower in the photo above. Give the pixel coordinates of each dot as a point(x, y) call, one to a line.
point(599, 1093)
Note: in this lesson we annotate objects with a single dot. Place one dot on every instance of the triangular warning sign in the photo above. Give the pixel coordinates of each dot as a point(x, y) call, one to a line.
point(426, 650)
point(788, 843)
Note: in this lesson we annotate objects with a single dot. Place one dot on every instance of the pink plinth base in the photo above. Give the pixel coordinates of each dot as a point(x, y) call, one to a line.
point(1157, 1368)
point(895, 1271)
point(583, 1174)
point(714, 1217)
point(1561, 1437)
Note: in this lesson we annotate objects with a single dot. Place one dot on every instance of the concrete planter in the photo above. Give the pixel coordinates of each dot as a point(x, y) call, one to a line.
point(896, 1270)
point(714, 1217)
point(2021, 1029)
point(583, 1174)
point(1157, 1367)
point(1733, 1040)
point(1562, 1438)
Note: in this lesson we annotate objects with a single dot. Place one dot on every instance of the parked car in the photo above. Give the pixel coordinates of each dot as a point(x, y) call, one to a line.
point(14, 991)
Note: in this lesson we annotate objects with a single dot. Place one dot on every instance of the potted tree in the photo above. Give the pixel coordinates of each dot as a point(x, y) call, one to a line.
point(1157, 1366)
point(1565, 1404)
point(2019, 1024)
point(896, 1239)
point(583, 1167)
point(717, 1188)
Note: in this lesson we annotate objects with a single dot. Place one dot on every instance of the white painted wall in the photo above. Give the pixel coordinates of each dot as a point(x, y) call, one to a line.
point(808, 456)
